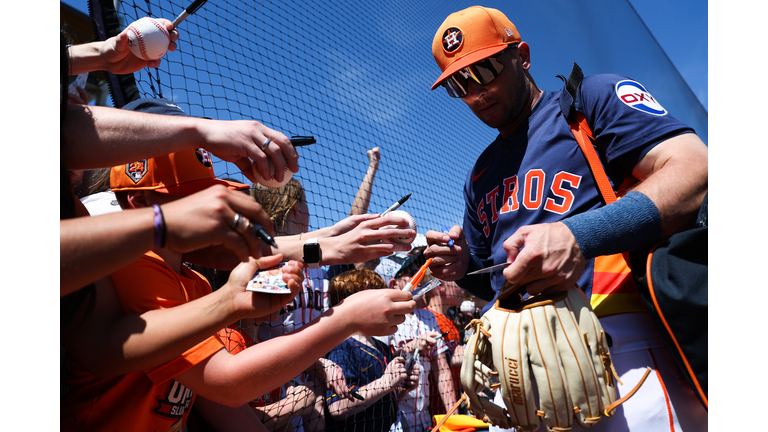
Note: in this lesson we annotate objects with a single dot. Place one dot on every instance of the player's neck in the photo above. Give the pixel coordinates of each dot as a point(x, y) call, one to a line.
point(535, 95)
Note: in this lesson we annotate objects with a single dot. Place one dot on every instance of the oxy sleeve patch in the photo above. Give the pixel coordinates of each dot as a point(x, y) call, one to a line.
point(634, 95)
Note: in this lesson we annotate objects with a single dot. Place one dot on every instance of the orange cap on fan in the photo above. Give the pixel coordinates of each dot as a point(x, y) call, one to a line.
point(180, 173)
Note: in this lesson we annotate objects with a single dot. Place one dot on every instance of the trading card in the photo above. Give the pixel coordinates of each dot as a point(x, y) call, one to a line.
point(269, 281)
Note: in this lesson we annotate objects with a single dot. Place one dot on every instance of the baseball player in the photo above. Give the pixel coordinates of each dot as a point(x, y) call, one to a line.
point(531, 201)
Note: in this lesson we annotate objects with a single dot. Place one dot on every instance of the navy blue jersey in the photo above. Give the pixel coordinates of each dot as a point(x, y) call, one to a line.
point(362, 365)
point(539, 174)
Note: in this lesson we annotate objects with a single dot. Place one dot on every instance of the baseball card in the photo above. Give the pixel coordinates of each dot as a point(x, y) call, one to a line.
point(269, 282)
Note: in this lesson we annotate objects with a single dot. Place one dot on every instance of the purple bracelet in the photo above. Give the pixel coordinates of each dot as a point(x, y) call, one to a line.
point(159, 227)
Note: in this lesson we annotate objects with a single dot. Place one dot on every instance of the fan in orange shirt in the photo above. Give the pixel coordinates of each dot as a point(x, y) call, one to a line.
point(160, 398)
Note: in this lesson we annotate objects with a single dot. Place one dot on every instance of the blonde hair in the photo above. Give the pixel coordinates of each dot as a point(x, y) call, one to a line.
point(352, 281)
point(277, 202)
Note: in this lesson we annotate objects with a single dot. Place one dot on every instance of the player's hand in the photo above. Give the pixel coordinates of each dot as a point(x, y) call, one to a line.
point(375, 312)
point(205, 218)
point(374, 155)
point(241, 141)
point(448, 262)
point(248, 304)
point(551, 261)
point(366, 240)
point(118, 56)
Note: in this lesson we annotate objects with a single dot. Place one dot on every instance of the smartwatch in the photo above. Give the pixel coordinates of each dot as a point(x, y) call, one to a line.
point(312, 253)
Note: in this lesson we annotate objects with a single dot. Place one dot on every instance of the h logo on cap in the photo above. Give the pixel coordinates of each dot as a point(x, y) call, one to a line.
point(452, 39)
point(203, 157)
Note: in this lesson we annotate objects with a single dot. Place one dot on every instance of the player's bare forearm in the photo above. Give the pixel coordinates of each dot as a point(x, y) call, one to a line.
point(674, 175)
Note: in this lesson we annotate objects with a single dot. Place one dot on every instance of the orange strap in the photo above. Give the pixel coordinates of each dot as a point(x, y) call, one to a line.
point(583, 135)
point(671, 334)
point(613, 406)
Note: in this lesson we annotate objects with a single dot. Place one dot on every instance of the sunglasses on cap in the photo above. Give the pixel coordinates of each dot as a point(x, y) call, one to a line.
point(482, 72)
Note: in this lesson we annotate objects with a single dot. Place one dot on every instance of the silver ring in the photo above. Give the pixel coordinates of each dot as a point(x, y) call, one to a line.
point(240, 224)
point(266, 143)
point(235, 222)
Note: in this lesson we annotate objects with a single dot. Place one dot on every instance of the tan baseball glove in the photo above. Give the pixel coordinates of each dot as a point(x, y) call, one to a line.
point(553, 343)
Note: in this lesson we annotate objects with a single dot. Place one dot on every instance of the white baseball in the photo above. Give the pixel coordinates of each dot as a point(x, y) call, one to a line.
point(273, 183)
point(411, 225)
point(148, 39)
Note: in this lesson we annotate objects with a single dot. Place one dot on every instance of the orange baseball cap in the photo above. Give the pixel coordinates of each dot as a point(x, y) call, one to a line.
point(471, 35)
point(180, 173)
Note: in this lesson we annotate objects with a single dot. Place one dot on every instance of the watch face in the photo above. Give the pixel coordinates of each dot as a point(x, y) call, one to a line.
point(311, 253)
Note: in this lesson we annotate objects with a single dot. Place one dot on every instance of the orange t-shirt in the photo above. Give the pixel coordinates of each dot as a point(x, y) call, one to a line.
point(149, 399)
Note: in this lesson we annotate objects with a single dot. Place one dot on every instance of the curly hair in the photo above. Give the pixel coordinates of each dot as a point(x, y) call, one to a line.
point(277, 202)
point(345, 284)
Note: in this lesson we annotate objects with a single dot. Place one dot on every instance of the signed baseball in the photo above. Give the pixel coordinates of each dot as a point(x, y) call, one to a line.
point(273, 183)
point(148, 39)
point(411, 225)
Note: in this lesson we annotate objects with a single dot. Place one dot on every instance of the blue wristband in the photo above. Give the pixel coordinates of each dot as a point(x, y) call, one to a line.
point(631, 223)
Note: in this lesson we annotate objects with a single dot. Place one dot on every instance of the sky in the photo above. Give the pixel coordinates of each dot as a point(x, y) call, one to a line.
point(680, 27)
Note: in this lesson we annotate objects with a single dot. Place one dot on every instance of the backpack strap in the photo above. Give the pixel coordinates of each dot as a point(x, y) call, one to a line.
point(613, 288)
point(582, 132)
point(583, 135)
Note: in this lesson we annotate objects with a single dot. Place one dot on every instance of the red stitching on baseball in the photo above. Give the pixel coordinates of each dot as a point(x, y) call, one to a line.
point(140, 39)
point(161, 27)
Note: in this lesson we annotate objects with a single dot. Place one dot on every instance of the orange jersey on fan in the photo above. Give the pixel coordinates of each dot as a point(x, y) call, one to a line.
point(149, 399)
